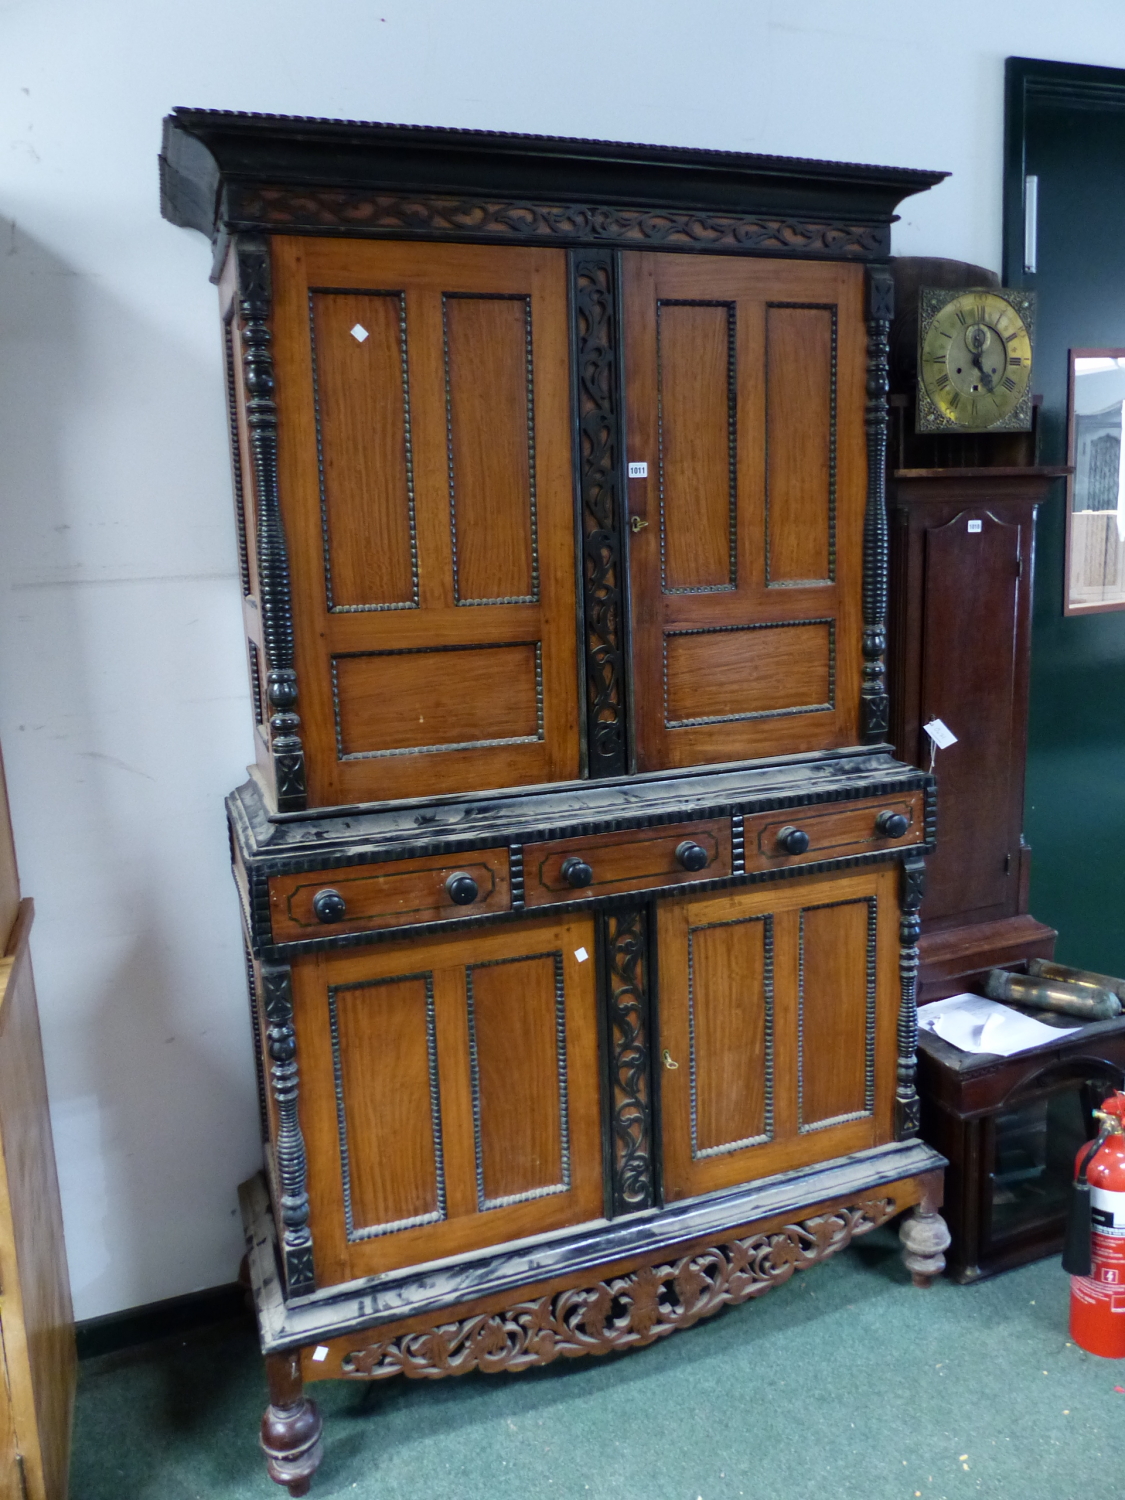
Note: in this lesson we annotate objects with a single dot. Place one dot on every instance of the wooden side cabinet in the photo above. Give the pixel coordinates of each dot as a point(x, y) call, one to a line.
point(37, 1353)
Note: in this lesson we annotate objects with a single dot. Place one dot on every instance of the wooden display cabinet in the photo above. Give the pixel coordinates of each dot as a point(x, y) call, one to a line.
point(579, 881)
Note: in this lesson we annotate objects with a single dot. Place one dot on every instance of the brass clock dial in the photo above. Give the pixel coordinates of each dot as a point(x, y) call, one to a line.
point(974, 360)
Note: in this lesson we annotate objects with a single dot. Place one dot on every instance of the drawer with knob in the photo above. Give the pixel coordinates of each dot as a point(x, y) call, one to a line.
point(803, 835)
point(638, 859)
point(362, 898)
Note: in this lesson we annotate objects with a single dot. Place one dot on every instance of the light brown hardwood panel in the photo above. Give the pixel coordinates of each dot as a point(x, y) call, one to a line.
point(517, 1023)
point(840, 828)
point(363, 436)
point(770, 376)
point(491, 448)
point(749, 671)
point(689, 1170)
point(801, 437)
point(9, 875)
point(386, 1054)
point(837, 1012)
point(425, 701)
point(631, 860)
point(35, 1305)
point(388, 895)
point(696, 371)
point(11, 1484)
point(730, 1002)
point(512, 1151)
point(481, 283)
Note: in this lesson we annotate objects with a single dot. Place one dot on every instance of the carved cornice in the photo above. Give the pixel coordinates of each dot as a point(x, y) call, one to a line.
point(626, 1312)
point(358, 211)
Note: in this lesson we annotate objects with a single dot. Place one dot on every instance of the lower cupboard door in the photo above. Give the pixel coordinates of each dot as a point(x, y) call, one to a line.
point(778, 1015)
point(449, 1094)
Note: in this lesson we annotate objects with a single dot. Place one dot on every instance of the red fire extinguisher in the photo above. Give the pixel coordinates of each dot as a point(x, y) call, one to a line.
point(1095, 1243)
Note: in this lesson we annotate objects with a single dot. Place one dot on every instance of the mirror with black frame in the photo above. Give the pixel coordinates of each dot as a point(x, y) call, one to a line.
point(1095, 525)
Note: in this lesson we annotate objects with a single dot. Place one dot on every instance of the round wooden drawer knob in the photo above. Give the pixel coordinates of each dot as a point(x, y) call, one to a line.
point(691, 855)
point(328, 905)
point(576, 872)
point(892, 825)
point(462, 889)
point(792, 840)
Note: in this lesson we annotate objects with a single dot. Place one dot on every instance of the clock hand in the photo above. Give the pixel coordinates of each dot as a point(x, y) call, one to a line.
point(985, 377)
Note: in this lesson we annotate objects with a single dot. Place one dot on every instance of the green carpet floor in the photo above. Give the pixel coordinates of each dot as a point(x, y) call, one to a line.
point(845, 1384)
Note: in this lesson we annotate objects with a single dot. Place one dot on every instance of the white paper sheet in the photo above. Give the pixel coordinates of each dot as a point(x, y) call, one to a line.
point(975, 1024)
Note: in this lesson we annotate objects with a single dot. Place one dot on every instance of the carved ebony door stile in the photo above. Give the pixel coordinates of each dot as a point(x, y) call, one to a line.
point(875, 723)
point(599, 465)
point(626, 966)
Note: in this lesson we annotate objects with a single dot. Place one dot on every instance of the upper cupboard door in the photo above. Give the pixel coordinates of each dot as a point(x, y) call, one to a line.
point(745, 396)
point(425, 483)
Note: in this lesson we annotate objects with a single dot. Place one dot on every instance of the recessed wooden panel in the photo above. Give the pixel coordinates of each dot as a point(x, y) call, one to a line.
point(385, 1054)
point(491, 440)
point(778, 1012)
point(748, 672)
point(730, 998)
point(841, 829)
point(801, 444)
point(631, 860)
point(837, 1013)
point(437, 698)
point(517, 1043)
point(696, 377)
point(359, 351)
point(486, 452)
point(516, 1093)
point(388, 895)
point(745, 393)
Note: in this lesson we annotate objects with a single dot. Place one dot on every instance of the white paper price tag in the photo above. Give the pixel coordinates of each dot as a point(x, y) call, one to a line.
point(638, 471)
point(975, 526)
point(940, 733)
point(581, 955)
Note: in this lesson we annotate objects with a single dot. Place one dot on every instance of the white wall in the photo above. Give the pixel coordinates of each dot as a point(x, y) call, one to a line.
point(123, 704)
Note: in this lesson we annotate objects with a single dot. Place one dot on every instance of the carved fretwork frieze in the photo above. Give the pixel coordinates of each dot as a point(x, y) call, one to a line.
point(594, 304)
point(628, 1031)
point(626, 1312)
point(357, 211)
point(254, 305)
point(875, 706)
point(292, 1168)
point(907, 1121)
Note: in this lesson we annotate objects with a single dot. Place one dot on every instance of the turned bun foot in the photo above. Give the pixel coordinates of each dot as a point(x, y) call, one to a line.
point(924, 1237)
point(291, 1427)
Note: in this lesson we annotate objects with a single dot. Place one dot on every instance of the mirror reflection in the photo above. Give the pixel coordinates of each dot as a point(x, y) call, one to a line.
point(1096, 512)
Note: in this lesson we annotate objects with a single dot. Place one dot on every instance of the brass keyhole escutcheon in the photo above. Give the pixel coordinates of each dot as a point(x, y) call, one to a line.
point(668, 1061)
point(636, 524)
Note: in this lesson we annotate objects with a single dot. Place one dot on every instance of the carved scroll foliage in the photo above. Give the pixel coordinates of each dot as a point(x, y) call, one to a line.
point(358, 211)
point(631, 1171)
point(627, 1312)
point(875, 706)
point(254, 299)
point(292, 1169)
point(598, 404)
point(907, 1120)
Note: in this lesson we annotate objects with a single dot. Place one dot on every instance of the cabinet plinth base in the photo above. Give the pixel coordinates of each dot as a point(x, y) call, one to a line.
point(950, 960)
point(626, 1302)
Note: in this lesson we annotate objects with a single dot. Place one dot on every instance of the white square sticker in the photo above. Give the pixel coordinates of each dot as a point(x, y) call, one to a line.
point(581, 955)
point(359, 333)
point(638, 471)
point(940, 733)
point(320, 1353)
point(975, 526)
